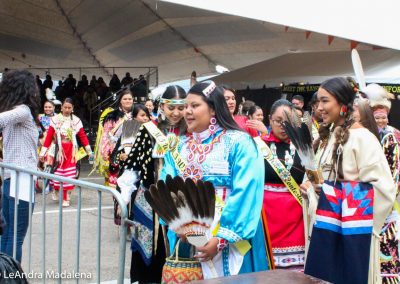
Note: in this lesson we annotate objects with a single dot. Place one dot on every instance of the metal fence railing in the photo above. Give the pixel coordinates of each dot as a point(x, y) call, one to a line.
point(16, 172)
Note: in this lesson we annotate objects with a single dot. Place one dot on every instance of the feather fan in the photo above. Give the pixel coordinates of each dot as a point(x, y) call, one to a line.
point(187, 207)
point(300, 136)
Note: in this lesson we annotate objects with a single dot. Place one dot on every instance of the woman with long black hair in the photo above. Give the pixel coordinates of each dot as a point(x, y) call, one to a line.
point(110, 132)
point(217, 150)
point(357, 195)
point(19, 105)
point(66, 128)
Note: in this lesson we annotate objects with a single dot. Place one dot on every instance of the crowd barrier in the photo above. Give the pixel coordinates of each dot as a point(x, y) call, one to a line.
point(17, 172)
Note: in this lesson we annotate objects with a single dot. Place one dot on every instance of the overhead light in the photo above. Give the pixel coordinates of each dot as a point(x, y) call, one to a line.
point(221, 69)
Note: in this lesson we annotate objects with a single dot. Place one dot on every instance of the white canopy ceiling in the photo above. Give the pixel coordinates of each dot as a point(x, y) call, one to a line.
point(372, 22)
point(177, 39)
point(380, 66)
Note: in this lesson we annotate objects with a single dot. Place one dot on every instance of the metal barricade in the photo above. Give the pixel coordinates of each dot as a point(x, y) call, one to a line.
point(17, 171)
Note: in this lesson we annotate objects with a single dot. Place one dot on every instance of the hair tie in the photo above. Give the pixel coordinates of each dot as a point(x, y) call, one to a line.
point(207, 91)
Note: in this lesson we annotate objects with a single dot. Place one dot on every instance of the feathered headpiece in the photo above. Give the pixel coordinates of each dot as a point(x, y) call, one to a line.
point(156, 93)
point(377, 95)
point(52, 97)
point(300, 136)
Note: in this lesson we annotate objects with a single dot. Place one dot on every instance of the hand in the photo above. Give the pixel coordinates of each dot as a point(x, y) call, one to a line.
point(304, 187)
point(207, 252)
point(183, 238)
point(41, 158)
point(123, 156)
point(256, 124)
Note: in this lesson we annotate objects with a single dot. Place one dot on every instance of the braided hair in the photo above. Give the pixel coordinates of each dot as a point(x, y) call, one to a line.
point(344, 93)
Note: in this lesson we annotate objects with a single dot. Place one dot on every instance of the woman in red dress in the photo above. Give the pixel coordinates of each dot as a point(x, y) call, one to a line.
point(284, 215)
point(66, 128)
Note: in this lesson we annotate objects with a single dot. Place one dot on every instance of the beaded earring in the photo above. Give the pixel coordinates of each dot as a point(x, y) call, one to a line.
point(211, 127)
point(343, 111)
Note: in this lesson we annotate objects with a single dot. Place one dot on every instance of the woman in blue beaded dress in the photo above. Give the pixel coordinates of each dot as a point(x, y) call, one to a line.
point(217, 150)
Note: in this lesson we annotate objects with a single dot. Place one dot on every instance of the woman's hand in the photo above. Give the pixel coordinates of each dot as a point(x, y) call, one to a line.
point(183, 238)
point(258, 125)
point(123, 156)
point(208, 251)
point(304, 187)
point(42, 159)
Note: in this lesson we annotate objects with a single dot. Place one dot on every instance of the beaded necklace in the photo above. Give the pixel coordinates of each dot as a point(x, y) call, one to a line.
point(289, 156)
point(195, 146)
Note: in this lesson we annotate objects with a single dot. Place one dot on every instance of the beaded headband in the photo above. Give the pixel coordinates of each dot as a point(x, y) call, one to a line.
point(207, 91)
point(381, 112)
point(173, 101)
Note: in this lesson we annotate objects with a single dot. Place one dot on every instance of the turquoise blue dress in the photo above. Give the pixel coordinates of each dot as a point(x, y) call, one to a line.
point(234, 165)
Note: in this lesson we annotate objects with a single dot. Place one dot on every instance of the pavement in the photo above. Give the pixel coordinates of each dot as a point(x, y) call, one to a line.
point(109, 253)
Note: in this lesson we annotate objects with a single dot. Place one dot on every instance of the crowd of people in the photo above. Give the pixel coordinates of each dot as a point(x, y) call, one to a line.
point(87, 94)
point(269, 214)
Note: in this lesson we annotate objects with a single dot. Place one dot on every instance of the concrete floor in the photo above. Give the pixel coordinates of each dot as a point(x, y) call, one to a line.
point(88, 245)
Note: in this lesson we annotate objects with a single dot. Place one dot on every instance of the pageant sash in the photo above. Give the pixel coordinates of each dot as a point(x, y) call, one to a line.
point(280, 170)
point(167, 143)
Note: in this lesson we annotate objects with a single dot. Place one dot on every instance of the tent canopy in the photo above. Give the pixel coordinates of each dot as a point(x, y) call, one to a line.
point(177, 39)
point(314, 67)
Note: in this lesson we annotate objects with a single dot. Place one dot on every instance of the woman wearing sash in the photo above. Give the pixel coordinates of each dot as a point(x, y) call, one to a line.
point(217, 150)
point(389, 136)
point(170, 122)
point(134, 155)
point(282, 210)
point(112, 131)
point(357, 195)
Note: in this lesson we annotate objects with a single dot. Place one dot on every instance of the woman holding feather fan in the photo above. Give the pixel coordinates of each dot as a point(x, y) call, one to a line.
point(357, 194)
point(218, 151)
point(281, 207)
point(136, 174)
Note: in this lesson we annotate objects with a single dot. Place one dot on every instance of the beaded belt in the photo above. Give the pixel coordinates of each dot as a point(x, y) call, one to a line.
point(275, 187)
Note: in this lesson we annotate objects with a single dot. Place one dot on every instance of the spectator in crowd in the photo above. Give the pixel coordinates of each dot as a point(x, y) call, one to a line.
point(41, 90)
point(39, 82)
point(81, 89)
point(150, 106)
point(90, 98)
point(101, 88)
point(230, 98)
point(127, 79)
point(256, 116)
point(70, 82)
point(82, 85)
point(298, 101)
point(60, 91)
point(316, 116)
point(48, 83)
point(93, 81)
point(115, 83)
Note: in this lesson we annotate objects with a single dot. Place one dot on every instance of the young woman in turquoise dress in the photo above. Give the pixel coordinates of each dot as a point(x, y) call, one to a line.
point(218, 150)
